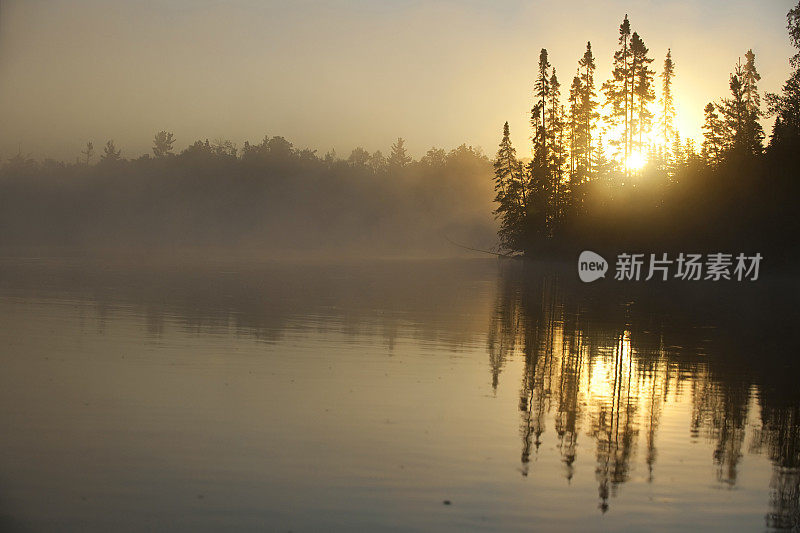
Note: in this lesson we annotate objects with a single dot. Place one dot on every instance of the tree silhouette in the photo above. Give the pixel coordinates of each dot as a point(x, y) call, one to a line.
point(667, 99)
point(539, 184)
point(435, 157)
point(642, 78)
point(557, 154)
point(377, 162)
point(88, 152)
point(510, 194)
point(574, 120)
point(588, 112)
point(619, 88)
point(110, 152)
point(740, 112)
point(162, 144)
point(398, 158)
point(713, 133)
point(572, 186)
point(358, 157)
point(786, 106)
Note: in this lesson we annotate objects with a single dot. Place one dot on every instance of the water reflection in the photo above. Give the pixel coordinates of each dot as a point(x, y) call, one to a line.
point(607, 381)
point(432, 301)
point(602, 364)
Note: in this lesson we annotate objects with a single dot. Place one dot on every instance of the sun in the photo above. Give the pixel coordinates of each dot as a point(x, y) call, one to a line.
point(636, 161)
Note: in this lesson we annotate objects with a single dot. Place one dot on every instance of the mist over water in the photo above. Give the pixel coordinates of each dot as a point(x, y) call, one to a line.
point(364, 394)
point(270, 199)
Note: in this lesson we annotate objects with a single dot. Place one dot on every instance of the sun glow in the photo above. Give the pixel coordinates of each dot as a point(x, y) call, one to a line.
point(636, 161)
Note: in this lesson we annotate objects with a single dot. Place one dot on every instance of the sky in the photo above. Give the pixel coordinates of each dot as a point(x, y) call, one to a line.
point(340, 74)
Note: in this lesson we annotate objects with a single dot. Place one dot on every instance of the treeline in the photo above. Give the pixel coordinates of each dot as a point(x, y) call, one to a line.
point(268, 195)
point(609, 168)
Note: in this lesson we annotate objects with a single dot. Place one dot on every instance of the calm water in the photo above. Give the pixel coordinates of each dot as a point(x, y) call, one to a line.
point(363, 396)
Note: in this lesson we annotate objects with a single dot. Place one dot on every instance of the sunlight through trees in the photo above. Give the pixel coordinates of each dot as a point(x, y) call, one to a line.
point(590, 154)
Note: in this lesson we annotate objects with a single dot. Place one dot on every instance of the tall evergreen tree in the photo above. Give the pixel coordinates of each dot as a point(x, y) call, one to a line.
point(740, 114)
point(88, 152)
point(540, 182)
point(618, 89)
point(786, 106)
point(510, 194)
point(110, 152)
point(557, 157)
point(398, 158)
point(642, 77)
point(667, 99)
point(714, 135)
point(574, 100)
point(541, 88)
point(588, 109)
point(750, 80)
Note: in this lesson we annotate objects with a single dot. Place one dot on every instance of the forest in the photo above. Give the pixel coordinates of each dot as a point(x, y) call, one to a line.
point(265, 196)
point(609, 169)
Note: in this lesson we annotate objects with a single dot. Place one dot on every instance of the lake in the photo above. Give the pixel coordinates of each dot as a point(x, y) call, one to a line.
point(448, 395)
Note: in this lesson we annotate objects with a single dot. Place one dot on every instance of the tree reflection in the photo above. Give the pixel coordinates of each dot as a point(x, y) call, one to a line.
point(606, 363)
point(779, 438)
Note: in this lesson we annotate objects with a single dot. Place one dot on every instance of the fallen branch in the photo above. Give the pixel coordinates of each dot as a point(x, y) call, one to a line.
point(498, 254)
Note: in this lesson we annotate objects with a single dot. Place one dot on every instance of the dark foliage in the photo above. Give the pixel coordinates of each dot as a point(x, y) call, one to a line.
point(732, 195)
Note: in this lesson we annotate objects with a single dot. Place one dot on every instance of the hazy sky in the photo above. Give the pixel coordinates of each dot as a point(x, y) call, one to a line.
point(338, 74)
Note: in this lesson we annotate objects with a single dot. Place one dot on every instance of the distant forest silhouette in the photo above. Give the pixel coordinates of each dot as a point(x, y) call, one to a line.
point(603, 175)
point(613, 172)
point(266, 195)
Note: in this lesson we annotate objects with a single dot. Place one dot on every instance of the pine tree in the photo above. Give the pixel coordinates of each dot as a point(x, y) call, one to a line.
point(588, 109)
point(743, 132)
point(642, 77)
point(750, 79)
point(110, 152)
point(619, 88)
point(541, 91)
point(398, 158)
point(504, 164)
point(162, 144)
point(714, 135)
point(667, 100)
point(556, 155)
point(786, 131)
point(602, 171)
point(88, 152)
point(733, 112)
point(539, 184)
point(510, 194)
point(690, 152)
point(541, 88)
point(678, 156)
point(575, 146)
